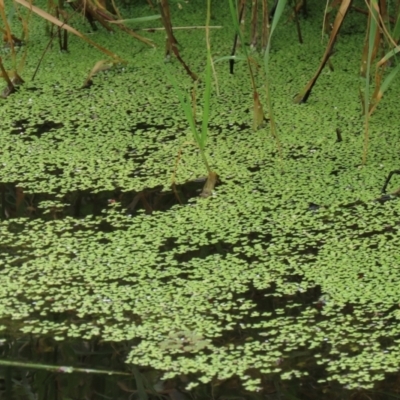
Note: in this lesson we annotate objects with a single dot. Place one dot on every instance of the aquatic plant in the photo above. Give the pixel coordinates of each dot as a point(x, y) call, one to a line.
point(258, 114)
point(200, 138)
point(279, 276)
point(280, 6)
point(378, 17)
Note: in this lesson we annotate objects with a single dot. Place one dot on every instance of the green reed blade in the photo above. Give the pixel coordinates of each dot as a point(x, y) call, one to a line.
point(396, 29)
point(278, 13)
point(258, 113)
point(235, 21)
point(388, 56)
point(207, 93)
point(139, 383)
point(389, 79)
point(234, 15)
point(184, 100)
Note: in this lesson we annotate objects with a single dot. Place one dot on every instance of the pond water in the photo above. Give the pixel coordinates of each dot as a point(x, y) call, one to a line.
point(118, 281)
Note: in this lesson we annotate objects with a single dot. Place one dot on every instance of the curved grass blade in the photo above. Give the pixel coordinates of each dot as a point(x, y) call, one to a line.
point(101, 65)
point(380, 90)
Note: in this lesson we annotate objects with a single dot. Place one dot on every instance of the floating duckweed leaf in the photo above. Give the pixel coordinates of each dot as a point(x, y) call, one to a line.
point(296, 259)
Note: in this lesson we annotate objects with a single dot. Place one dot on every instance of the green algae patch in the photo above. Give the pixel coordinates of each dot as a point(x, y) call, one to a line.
point(291, 263)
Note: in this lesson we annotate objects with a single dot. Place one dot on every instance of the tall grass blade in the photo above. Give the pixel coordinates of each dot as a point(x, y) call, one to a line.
point(200, 138)
point(396, 29)
point(139, 383)
point(375, 46)
point(207, 93)
point(379, 91)
point(184, 101)
point(206, 109)
point(277, 15)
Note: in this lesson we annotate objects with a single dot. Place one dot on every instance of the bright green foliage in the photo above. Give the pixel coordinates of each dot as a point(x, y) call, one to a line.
point(254, 259)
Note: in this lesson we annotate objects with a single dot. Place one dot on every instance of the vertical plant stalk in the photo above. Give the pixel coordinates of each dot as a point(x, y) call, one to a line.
point(242, 18)
point(277, 15)
point(254, 7)
point(380, 88)
point(235, 43)
point(185, 101)
point(194, 101)
point(372, 32)
point(383, 10)
point(207, 95)
point(258, 114)
point(212, 176)
point(8, 35)
point(25, 29)
point(62, 36)
point(296, 18)
point(265, 25)
point(166, 20)
point(365, 54)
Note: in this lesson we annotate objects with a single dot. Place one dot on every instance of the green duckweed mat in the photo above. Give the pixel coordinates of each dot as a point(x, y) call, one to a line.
point(292, 262)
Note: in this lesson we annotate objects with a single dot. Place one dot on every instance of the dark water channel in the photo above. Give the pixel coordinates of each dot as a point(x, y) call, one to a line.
point(38, 367)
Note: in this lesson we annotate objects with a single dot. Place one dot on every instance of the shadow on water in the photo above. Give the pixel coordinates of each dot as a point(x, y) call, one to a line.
point(15, 202)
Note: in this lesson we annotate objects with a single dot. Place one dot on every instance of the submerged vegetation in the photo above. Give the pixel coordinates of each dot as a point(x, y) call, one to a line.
point(280, 278)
